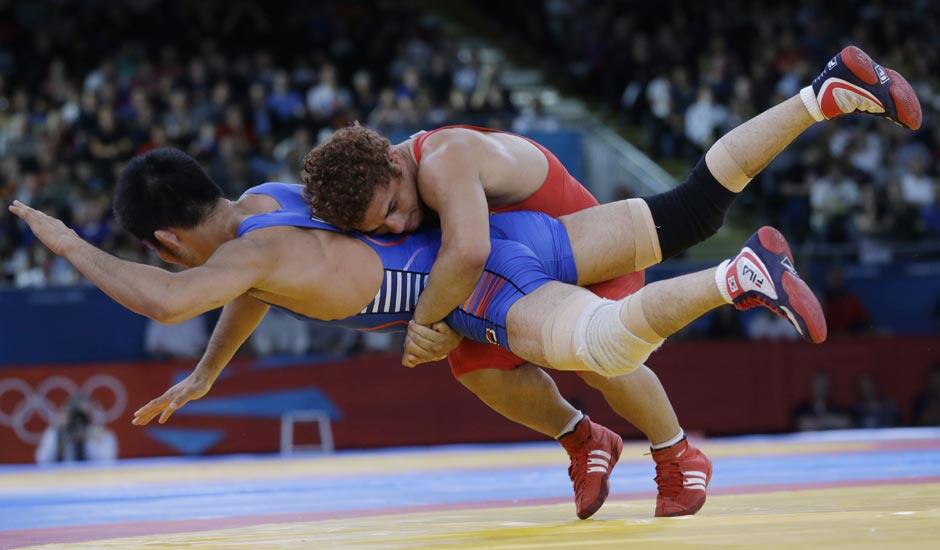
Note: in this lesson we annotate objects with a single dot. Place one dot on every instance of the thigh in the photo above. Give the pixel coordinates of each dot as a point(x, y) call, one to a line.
point(527, 315)
point(602, 241)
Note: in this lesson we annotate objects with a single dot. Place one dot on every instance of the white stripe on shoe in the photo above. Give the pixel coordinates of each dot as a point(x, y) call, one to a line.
point(695, 473)
point(600, 452)
point(597, 469)
point(599, 462)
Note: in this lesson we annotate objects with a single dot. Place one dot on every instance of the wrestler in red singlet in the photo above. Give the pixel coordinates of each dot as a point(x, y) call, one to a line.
point(560, 194)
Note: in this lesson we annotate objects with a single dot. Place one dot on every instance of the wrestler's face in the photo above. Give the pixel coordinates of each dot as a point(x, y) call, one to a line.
point(394, 208)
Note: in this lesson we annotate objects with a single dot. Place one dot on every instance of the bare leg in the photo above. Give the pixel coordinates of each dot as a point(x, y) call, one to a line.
point(753, 144)
point(608, 240)
point(672, 304)
point(640, 398)
point(605, 244)
point(667, 305)
point(526, 395)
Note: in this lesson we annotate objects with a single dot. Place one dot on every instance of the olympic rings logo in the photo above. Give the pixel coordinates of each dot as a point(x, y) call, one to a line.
point(37, 402)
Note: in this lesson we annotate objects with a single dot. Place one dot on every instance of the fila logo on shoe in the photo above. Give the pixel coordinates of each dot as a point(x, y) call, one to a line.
point(598, 461)
point(748, 271)
point(694, 480)
point(751, 274)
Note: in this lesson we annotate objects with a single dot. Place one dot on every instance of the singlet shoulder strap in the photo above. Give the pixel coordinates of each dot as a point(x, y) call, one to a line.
point(293, 210)
point(420, 137)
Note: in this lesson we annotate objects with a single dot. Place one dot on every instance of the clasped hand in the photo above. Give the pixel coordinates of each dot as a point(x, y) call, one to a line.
point(426, 344)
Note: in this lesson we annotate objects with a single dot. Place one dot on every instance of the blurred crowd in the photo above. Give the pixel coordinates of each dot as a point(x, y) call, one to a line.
point(872, 406)
point(247, 87)
point(684, 73)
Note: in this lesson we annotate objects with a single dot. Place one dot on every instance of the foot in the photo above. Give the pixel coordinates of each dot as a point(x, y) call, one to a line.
point(853, 82)
point(594, 451)
point(682, 476)
point(762, 274)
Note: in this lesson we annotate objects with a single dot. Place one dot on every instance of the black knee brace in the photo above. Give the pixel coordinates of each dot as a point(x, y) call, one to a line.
point(691, 212)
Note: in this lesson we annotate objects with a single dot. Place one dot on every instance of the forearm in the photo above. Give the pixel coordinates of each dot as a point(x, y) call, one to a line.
point(141, 288)
point(450, 284)
point(239, 320)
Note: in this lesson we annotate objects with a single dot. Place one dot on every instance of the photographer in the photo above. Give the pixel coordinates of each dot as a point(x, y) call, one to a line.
point(76, 437)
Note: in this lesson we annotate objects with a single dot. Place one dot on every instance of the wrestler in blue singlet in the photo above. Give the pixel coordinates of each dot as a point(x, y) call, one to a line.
point(527, 250)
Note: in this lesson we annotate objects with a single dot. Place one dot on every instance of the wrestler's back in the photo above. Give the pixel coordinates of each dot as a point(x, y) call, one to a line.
point(321, 273)
point(340, 281)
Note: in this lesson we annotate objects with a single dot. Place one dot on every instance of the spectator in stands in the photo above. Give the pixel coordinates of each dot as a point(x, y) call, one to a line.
point(703, 119)
point(75, 436)
point(179, 340)
point(533, 118)
point(96, 95)
point(845, 312)
point(927, 404)
point(819, 413)
point(834, 197)
point(280, 334)
point(637, 60)
point(763, 325)
point(872, 410)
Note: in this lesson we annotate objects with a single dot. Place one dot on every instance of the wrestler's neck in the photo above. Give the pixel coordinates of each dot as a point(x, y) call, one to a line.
point(404, 157)
point(222, 224)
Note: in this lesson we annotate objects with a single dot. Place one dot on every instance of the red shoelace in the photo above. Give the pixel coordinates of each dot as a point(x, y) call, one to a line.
point(669, 479)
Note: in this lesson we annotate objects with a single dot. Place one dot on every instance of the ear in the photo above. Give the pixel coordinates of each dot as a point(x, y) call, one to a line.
point(168, 239)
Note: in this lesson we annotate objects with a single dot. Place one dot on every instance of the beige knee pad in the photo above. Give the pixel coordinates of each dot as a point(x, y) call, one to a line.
point(645, 238)
point(726, 170)
point(586, 333)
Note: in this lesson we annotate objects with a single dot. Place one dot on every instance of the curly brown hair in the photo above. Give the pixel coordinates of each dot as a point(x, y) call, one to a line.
point(342, 174)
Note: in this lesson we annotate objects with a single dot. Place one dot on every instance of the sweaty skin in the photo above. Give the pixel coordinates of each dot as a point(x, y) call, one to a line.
point(265, 266)
point(463, 174)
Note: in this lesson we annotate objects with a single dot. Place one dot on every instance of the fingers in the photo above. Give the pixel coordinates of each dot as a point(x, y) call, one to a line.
point(414, 355)
point(20, 210)
point(145, 414)
point(427, 339)
point(168, 411)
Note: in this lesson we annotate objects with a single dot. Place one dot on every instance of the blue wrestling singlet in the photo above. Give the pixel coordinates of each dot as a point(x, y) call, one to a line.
point(527, 250)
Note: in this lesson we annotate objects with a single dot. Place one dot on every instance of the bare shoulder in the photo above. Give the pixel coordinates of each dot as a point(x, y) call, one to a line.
point(269, 246)
point(450, 138)
point(447, 155)
point(444, 146)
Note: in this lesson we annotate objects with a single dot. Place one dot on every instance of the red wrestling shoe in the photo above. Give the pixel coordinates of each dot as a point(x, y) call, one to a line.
point(682, 476)
point(853, 82)
point(594, 451)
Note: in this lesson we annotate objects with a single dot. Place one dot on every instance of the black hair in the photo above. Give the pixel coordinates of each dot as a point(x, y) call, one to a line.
point(160, 189)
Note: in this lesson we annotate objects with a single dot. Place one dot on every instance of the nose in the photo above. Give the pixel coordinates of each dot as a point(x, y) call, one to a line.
point(396, 223)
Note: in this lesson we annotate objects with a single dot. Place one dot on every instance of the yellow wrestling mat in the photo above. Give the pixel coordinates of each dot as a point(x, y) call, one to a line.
point(848, 489)
point(900, 516)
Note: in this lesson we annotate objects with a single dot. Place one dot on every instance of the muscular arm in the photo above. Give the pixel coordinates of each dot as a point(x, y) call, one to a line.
point(239, 319)
point(150, 291)
point(450, 184)
point(171, 297)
